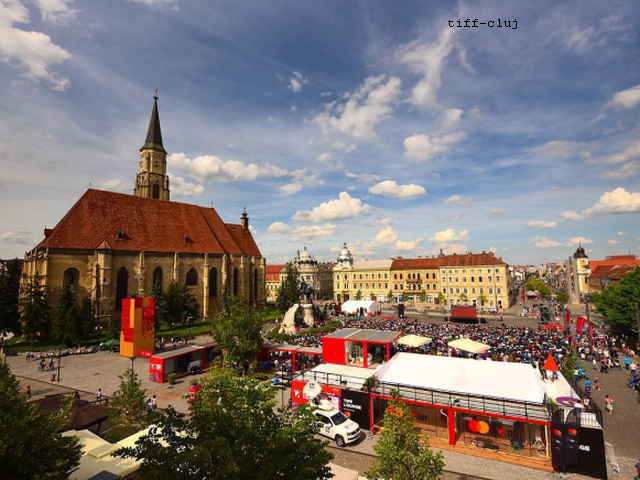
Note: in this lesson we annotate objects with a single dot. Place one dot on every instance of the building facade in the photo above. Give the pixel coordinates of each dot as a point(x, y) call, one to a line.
point(314, 273)
point(274, 276)
point(609, 271)
point(576, 271)
point(112, 246)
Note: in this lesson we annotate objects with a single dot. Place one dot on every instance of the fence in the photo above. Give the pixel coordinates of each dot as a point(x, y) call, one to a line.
point(592, 414)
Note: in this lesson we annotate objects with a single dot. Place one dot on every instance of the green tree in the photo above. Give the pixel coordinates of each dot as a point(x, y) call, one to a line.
point(442, 300)
point(127, 407)
point(402, 454)
point(289, 292)
point(239, 332)
point(373, 297)
point(358, 295)
point(390, 296)
point(30, 445)
point(234, 433)
point(617, 301)
point(463, 297)
point(482, 298)
point(34, 310)
point(570, 364)
point(72, 324)
point(422, 296)
point(180, 304)
point(562, 298)
point(161, 303)
point(537, 285)
point(9, 296)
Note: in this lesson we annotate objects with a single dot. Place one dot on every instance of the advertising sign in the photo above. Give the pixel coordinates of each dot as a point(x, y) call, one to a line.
point(355, 405)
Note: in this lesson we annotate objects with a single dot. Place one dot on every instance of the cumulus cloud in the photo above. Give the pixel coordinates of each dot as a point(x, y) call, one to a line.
point(618, 201)
point(493, 249)
point(300, 178)
point(497, 211)
point(541, 224)
point(278, 227)
point(32, 52)
point(458, 200)
point(182, 188)
point(297, 81)
point(56, 11)
point(428, 60)
point(389, 188)
point(18, 237)
point(355, 248)
point(114, 185)
point(579, 241)
point(341, 208)
point(448, 236)
point(628, 170)
point(451, 118)
point(455, 248)
point(632, 152)
point(325, 159)
point(613, 242)
point(544, 242)
point(566, 149)
point(622, 234)
point(386, 236)
point(211, 167)
point(363, 177)
point(407, 246)
point(358, 116)
point(422, 148)
point(626, 98)
point(303, 231)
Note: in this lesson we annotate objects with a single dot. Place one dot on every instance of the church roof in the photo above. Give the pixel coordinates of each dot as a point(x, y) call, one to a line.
point(154, 134)
point(120, 222)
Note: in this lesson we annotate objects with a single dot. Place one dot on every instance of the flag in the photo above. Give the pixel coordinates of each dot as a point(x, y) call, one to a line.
point(580, 323)
point(567, 320)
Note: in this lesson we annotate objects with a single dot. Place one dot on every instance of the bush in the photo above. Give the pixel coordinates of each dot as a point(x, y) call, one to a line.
point(171, 378)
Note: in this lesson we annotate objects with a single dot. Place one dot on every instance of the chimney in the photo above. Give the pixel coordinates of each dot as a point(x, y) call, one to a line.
point(244, 220)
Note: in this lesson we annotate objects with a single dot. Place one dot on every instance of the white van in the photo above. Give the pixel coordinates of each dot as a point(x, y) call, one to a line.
point(337, 426)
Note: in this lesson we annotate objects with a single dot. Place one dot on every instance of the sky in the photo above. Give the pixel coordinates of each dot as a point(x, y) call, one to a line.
point(378, 124)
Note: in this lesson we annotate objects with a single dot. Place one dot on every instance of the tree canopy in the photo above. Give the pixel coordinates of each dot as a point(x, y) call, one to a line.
point(9, 296)
point(127, 406)
point(180, 305)
point(238, 331)
point(30, 445)
point(34, 310)
point(289, 292)
point(537, 285)
point(617, 301)
point(234, 433)
point(72, 324)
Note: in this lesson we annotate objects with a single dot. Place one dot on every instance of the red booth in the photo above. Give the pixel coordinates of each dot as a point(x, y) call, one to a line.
point(298, 354)
point(181, 361)
point(358, 348)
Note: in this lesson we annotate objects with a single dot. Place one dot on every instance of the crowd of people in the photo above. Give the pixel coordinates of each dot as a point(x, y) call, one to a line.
point(57, 352)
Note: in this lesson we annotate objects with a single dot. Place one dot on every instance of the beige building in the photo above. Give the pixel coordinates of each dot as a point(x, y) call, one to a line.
point(274, 277)
point(112, 246)
point(314, 273)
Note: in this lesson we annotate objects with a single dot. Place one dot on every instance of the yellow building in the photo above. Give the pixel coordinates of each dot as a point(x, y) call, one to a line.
point(415, 280)
point(274, 277)
point(111, 246)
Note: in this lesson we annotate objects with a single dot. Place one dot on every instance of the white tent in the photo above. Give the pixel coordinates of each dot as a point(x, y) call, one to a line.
point(413, 340)
point(371, 307)
point(469, 345)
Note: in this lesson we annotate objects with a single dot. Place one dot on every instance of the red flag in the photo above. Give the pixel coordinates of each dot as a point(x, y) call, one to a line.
point(550, 364)
point(567, 319)
point(580, 325)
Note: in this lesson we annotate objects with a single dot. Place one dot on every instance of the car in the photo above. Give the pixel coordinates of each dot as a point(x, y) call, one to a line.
point(337, 426)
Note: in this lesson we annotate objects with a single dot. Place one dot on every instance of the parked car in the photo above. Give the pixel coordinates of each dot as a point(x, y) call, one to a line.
point(337, 426)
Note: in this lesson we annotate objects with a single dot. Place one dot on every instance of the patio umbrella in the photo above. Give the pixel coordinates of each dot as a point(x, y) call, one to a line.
point(413, 340)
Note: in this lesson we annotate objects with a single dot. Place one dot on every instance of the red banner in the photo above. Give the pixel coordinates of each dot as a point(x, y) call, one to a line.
point(580, 323)
point(567, 320)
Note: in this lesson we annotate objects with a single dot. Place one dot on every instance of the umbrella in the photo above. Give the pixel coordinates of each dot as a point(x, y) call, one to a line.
point(413, 340)
point(113, 341)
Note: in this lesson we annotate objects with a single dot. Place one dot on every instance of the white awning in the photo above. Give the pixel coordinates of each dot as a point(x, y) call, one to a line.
point(469, 345)
point(413, 340)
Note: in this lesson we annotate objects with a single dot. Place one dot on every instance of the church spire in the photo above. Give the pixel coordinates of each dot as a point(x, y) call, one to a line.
point(154, 134)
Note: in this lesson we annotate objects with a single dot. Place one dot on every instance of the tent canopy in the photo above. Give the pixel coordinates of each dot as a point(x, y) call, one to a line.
point(113, 341)
point(469, 345)
point(413, 340)
point(353, 306)
point(531, 293)
point(550, 364)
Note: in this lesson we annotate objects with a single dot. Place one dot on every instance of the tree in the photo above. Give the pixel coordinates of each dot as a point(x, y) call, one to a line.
point(127, 404)
point(9, 296)
point(73, 324)
point(373, 297)
point(402, 454)
point(617, 301)
point(180, 304)
point(463, 297)
point(442, 300)
point(482, 298)
point(289, 292)
point(239, 332)
point(34, 310)
point(30, 445)
point(358, 295)
point(537, 285)
point(390, 296)
point(570, 363)
point(234, 433)
point(562, 298)
point(161, 303)
point(423, 296)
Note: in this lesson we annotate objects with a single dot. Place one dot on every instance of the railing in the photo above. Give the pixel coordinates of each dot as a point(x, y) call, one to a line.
point(592, 415)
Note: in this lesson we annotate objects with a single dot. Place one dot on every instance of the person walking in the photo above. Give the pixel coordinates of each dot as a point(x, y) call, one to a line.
point(99, 396)
point(596, 382)
point(154, 403)
point(594, 362)
point(28, 392)
point(608, 404)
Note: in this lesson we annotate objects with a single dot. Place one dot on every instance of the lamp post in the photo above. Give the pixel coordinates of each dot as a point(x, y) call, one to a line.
point(59, 357)
point(586, 298)
point(98, 328)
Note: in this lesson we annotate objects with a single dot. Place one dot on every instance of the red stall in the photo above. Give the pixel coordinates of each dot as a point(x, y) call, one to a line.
point(181, 361)
point(302, 357)
point(358, 347)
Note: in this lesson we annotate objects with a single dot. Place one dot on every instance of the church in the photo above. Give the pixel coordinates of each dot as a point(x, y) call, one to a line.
point(110, 246)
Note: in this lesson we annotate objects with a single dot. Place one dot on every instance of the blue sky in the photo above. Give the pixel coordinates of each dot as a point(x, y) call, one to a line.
point(371, 123)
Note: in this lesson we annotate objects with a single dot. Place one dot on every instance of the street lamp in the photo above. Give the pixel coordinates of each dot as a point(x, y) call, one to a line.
point(59, 357)
point(586, 298)
point(98, 328)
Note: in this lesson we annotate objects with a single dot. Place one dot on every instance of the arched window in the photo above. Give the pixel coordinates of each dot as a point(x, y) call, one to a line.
point(98, 283)
point(255, 284)
point(192, 278)
point(235, 281)
point(156, 191)
point(122, 287)
point(213, 282)
point(71, 277)
point(157, 276)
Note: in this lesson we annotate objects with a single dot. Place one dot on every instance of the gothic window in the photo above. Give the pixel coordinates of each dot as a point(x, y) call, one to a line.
point(213, 282)
point(156, 191)
point(157, 276)
point(122, 287)
point(235, 281)
point(71, 278)
point(192, 278)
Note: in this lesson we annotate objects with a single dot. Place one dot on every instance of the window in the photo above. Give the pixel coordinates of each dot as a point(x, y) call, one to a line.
point(395, 286)
point(366, 276)
point(480, 279)
point(346, 277)
point(498, 291)
point(360, 284)
point(346, 285)
point(471, 270)
point(192, 278)
point(497, 270)
point(98, 283)
point(456, 271)
point(379, 276)
point(395, 276)
point(473, 279)
point(464, 279)
point(213, 282)
point(360, 277)
point(489, 277)
point(386, 285)
point(385, 276)
point(457, 280)
point(497, 279)
point(457, 290)
point(255, 284)
point(71, 278)
point(235, 282)
point(400, 276)
point(419, 276)
point(401, 286)
point(433, 275)
point(366, 285)
point(451, 290)
point(481, 291)
point(473, 290)
point(122, 287)
point(450, 279)
point(156, 191)
point(464, 290)
point(157, 276)
point(490, 290)
point(354, 276)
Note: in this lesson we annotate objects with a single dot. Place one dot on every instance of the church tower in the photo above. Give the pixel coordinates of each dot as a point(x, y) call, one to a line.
point(152, 180)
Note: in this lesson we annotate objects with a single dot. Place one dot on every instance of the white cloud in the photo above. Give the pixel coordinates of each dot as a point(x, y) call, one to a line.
point(632, 152)
point(493, 249)
point(158, 3)
point(458, 200)
point(115, 185)
point(422, 148)
point(300, 179)
point(566, 149)
point(324, 157)
point(448, 236)
point(278, 227)
point(613, 242)
point(325, 94)
point(407, 246)
point(427, 59)
point(297, 81)
point(544, 242)
point(579, 241)
point(342, 208)
point(386, 236)
point(211, 167)
point(363, 110)
point(56, 11)
point(303, 231)
point(389, 188)
point(626, 98)
point(541, 224)
point(622, 234)
point(327, 165)
point(33, 52)
point(182, 188)
point(497, 211)
point(455, 248)
point(617, 201)
point(451, 118)
point(343, 147)
point(579, 39)
point(290, 188)
point(628, 170)
point(385, 221)
point(505, 249)
point(16, 237)
point(253, 230)
point(363, 177)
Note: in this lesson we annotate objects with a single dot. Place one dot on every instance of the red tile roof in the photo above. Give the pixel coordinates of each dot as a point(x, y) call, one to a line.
point(273, 269)
point(464, 260)
point(615, 260)
point(403, 263)
point(116, 221)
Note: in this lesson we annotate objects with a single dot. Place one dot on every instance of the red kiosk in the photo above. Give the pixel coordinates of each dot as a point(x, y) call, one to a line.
point(358, 348)
point(181, 361)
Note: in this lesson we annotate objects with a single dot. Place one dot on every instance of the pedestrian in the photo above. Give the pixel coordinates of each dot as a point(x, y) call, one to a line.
point(633, 368)
point(608, 404)
point(154, 403)
point(99, 396)
point(595, 364)
point(596, 381)
point(627, 362)
point(28, 392)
